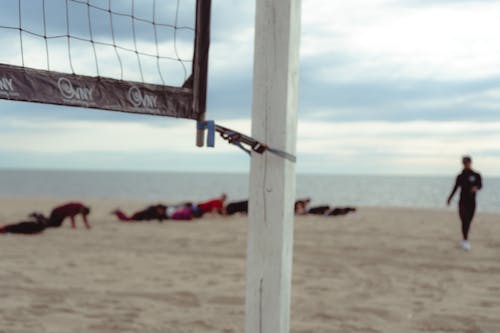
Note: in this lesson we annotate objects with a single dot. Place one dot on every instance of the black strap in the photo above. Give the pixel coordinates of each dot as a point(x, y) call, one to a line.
point(239, 139)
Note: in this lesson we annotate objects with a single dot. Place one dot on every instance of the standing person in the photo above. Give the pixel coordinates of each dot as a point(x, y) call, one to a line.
point(71, 209)
point(470, 183)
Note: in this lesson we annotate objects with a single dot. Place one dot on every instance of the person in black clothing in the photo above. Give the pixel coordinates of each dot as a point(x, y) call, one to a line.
point(319, 210)
point(35, 226)
point(470, 183)
point(155, 212)
point(237, 207)
point(330, 211)
point(341, 211)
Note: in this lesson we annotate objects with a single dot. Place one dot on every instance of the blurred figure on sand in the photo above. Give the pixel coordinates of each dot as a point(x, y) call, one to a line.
point(154, 212)
point(237, 207)
point(330, 211)
point(71, 209)
point(185, 212)
point(300, 206)
point(216, 205)
point(470, 183)
point(35, 225)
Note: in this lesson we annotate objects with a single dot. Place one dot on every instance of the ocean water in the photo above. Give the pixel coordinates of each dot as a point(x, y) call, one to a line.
point(375, 191)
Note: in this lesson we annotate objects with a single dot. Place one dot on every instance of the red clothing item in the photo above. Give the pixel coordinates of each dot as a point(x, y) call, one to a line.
point(212, 205)
point(121, 216)
point(70, 210)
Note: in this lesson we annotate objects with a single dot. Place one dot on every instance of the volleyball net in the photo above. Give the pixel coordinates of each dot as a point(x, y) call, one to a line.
point(138, 56)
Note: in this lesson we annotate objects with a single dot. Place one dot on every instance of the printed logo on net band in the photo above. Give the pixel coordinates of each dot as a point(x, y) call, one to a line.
point(140, 100)
point(79, 95)
point(7, 87)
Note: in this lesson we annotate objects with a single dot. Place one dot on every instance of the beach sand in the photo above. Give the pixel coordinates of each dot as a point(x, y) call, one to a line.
point(379, 270)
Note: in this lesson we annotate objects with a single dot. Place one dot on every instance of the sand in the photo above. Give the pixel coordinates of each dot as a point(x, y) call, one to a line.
point(379, 270)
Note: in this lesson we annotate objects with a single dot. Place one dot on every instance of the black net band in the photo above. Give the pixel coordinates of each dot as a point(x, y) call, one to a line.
point(25, 84)
point(111, 55)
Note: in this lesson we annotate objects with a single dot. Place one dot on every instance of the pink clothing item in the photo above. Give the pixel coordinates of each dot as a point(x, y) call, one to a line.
point(182, 214)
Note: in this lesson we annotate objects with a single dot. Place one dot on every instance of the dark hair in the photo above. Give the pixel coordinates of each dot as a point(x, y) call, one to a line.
point(160, 206)
point(466, 159)
point(85, 210)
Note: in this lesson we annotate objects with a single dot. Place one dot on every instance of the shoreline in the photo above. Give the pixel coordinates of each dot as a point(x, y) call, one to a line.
point(137, 202)
point(358, 191)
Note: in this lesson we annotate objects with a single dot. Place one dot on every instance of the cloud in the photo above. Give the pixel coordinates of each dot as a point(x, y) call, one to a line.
point(97, 136)
point(399, 61)
point(386, 86)
point(430, 139)
point(388, 40)
point(474, 100)
point(406, 144)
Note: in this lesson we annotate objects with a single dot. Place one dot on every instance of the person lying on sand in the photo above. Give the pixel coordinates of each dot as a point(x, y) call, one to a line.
point(36, 225)
point(341, 211)
point(71, 209)
point(214, 205)
point(154, 212)
point(237, 207)
point(330, 211)
point(300, 206)
point(185, 212)
point(318, 210)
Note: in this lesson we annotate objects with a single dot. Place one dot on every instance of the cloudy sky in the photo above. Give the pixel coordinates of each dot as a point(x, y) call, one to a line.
point(386, 87)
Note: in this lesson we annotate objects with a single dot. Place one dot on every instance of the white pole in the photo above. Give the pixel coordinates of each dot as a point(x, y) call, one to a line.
point(272, 178)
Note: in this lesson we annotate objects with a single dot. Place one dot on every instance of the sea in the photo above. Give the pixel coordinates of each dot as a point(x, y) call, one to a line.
point(171, 187)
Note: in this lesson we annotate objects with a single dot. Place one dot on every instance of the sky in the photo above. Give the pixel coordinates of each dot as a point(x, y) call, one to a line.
point(386, 87)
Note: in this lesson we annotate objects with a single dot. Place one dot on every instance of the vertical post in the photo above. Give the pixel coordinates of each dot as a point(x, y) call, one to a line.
point(200, 64)
point(272, 178)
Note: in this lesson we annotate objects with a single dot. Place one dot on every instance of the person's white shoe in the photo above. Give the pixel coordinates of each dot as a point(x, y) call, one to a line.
point(465, 245)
